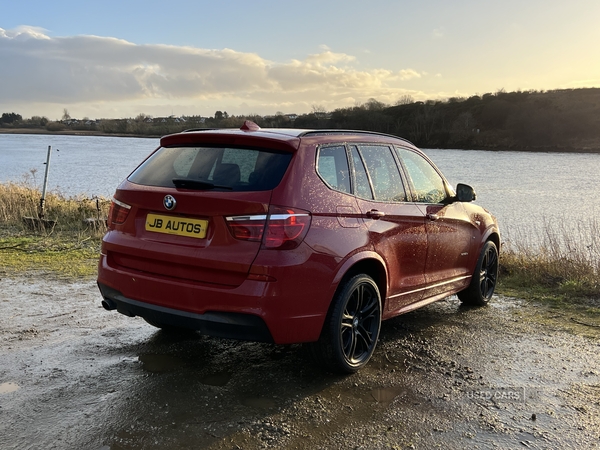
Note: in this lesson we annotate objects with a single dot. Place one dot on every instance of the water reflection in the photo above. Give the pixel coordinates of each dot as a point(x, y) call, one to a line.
point(160, 363)
point(216, 379)
point(385, 396)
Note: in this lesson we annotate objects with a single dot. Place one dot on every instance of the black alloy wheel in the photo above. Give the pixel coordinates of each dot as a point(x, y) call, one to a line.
point(484, 279)
point(352, 327)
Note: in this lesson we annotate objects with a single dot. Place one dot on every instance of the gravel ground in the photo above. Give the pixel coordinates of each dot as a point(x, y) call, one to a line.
point(74, 376)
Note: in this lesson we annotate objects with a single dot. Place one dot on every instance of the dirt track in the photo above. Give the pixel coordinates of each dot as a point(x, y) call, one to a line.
point(74, 376)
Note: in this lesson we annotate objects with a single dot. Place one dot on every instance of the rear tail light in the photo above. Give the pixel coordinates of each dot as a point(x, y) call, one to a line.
point(286, 228)
point(281, 229)
point(247, 228)
point(118, 212)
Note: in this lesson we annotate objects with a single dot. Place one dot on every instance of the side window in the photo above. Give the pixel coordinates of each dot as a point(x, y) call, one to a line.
point(428, 184)
point(363, 188)
point(332, 166)
point(384, 173)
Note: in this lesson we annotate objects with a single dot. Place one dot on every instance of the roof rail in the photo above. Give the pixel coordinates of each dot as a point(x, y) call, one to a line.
point(353, 132)
point(189, 130)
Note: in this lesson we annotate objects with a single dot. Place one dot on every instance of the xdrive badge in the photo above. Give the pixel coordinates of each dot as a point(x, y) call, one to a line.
point(169, 202)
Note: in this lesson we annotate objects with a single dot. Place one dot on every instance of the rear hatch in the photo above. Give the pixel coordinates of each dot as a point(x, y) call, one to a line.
point(195, 212)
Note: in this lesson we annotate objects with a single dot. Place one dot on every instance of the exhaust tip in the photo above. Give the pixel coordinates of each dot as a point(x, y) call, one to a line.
point(108, 304)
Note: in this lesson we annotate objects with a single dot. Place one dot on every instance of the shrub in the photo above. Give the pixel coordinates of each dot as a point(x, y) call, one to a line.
point(55, 126)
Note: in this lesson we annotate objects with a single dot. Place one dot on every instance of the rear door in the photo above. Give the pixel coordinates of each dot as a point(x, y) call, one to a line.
point(396, 226)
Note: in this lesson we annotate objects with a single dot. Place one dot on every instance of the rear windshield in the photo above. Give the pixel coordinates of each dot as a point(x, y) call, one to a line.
point(218, 168)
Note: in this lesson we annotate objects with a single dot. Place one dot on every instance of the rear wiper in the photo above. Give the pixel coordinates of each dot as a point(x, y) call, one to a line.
point(185, 183)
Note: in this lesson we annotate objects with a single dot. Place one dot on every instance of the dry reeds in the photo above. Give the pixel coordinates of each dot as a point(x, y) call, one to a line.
point(19, 200)
point(561, 255)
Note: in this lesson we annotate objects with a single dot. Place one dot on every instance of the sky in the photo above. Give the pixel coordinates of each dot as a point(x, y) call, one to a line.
point(117, 59)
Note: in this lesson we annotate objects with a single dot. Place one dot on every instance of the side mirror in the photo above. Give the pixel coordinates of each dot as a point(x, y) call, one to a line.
point(465, 193)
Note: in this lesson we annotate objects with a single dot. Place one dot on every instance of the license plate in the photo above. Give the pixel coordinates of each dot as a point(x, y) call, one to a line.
point(179, 226)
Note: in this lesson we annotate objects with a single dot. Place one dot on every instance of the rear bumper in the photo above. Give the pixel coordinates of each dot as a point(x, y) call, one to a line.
point(285, 311)
point(245, 327)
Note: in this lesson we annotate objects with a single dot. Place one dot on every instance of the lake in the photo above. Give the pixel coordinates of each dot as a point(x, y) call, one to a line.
point(88, 165)
point(524, 190)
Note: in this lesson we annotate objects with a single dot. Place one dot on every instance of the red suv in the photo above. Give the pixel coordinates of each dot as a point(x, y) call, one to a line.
point(292, 236)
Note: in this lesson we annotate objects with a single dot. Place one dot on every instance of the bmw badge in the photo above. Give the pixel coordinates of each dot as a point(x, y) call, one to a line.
point(169, 202)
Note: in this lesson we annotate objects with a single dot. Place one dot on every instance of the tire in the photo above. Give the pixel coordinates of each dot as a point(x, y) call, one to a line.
point(484, 278)
point(351, 330)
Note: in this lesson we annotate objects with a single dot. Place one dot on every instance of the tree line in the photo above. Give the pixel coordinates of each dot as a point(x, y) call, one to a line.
point(523, 120)
point(564, 120)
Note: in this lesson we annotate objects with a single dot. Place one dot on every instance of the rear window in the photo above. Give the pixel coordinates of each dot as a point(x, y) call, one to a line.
point(218, 168)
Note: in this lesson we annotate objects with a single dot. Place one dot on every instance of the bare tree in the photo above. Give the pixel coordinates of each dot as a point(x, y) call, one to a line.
point(405, 100)
point(319, 110)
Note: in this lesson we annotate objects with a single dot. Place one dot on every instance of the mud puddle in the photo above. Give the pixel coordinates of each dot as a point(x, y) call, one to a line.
point(514, 375)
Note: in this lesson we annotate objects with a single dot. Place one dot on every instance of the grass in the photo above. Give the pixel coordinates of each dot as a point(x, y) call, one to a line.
point(69, 249)
point(558, 265)
point(61, 255)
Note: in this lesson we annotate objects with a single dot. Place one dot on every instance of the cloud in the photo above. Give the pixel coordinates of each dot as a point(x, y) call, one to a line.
point(438, 33)
point(407, 74)
point(329, 57)
point(24, 32)
point(94, 70)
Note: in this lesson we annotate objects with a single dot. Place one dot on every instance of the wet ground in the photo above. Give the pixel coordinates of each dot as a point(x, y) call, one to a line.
point(512, 375)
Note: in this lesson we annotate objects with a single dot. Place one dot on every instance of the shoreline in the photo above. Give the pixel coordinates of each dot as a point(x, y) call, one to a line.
point(40, 131)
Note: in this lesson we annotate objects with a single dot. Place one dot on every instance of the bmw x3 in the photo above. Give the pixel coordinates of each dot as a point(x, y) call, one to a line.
point(292, 236)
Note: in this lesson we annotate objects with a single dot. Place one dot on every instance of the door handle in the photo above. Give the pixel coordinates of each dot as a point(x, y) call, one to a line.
point(433, 216)
point(375, 215)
